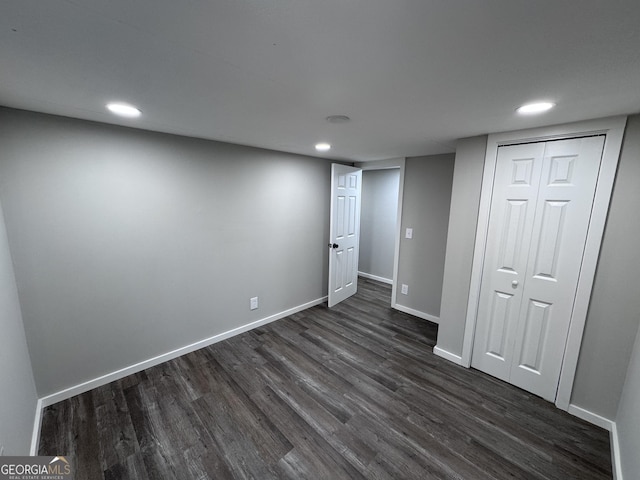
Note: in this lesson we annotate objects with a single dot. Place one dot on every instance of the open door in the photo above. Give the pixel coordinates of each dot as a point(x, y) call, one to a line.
point(344, 241)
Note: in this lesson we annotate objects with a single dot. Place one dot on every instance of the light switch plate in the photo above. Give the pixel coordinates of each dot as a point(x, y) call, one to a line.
point(409, 233)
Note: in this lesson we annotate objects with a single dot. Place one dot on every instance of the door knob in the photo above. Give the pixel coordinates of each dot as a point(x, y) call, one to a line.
point(514, 284)
point(333, 245)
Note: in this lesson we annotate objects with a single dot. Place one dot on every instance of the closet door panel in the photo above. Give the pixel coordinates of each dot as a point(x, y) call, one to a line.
point(563, 210)
point(516, 186)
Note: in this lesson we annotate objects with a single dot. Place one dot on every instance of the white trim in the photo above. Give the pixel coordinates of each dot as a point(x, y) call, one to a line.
point(591, 417)
point(37, 424)
point(608, 425)
point(452, 357)
point(387, 164)
point(396, 253)
point(613, 127)
point(417, 313)
point(388, 281)
point(604, 188)
point(384, 165)
point(616, 461)
point(123, 372)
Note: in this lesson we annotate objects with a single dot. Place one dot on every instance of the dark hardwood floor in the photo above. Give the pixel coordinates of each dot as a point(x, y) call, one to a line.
point(351, 392)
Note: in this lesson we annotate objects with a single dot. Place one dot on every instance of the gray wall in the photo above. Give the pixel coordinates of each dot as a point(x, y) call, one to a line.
point(425, 208)
point(378, 222)
point(612, 321)
point(628, 418)
point(129, 244)
point(463, 220)
point(613, 316)
point(18, 391)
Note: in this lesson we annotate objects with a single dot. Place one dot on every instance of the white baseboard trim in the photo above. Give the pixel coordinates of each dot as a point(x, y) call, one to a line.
point(452, 357)
point(417, 313)
point(375, 277)
point(123, 372)
point(616, 466)
point(608, 425)
point(37, 423)
point(591, 417)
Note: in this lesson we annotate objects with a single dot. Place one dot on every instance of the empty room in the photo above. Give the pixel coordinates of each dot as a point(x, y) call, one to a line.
point(319, 240)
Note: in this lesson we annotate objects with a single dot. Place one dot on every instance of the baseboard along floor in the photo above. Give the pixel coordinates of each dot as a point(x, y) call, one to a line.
point(344, 393)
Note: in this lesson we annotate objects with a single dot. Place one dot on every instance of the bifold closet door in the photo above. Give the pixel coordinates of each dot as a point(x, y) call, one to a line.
point(515, 189)
point(541, 206)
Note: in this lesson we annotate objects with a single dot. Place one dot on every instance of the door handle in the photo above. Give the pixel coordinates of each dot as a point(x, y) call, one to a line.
point(514, 284)
point(333, 245)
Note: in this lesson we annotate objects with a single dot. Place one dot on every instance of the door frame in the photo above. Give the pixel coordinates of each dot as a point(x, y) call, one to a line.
point(389, 164)
point(613, 128)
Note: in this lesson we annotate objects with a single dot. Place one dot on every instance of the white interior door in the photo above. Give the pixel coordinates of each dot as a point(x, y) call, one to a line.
point(346, 188)
point(515, 190)
point(541, 207)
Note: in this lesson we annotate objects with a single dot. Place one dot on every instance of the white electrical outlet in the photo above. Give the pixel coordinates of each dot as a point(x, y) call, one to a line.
point(253, 303)
point(409, 233)
point(405, 289)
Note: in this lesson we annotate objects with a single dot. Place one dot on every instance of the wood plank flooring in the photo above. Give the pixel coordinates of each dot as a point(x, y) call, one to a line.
point(352, 392)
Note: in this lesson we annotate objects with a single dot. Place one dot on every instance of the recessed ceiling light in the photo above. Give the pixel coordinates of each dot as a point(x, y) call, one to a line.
point(537, 107)
point(338, 119)
point(124, 110)
point(323, 147)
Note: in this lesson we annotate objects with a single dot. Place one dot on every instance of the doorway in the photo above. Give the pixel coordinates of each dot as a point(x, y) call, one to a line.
point(378, 220)
point(395, 165)
point(612, 129)
point(540, 210)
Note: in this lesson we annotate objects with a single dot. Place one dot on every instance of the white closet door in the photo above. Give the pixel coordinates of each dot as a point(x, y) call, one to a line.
point(563, 210)
point(515, 190)
point(540, 211)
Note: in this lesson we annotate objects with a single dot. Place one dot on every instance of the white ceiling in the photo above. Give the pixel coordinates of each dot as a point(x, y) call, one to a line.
point(414, 75)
